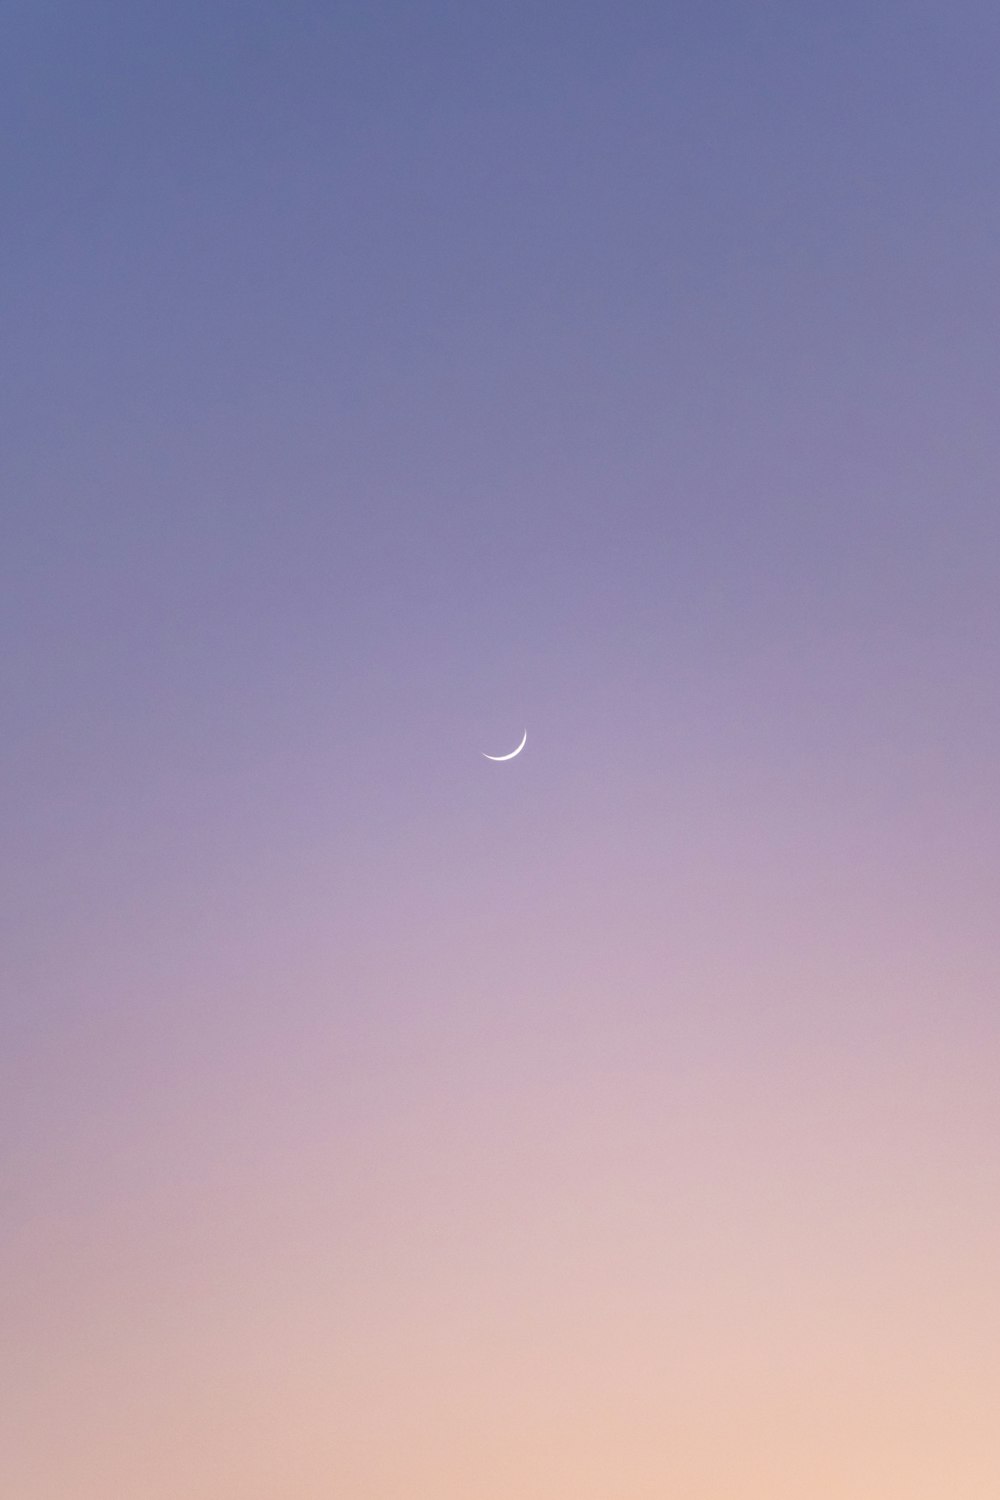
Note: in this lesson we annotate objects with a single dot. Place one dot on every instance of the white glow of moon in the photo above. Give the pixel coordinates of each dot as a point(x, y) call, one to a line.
point(512, 753)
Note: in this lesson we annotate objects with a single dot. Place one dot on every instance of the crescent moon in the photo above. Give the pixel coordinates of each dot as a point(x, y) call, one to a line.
point(512, 753)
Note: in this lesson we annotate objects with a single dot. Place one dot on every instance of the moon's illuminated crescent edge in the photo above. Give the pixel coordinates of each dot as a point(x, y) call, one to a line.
point(512, 753)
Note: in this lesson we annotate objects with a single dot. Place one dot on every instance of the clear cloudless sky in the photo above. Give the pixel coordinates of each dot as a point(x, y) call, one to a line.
point(378, 381)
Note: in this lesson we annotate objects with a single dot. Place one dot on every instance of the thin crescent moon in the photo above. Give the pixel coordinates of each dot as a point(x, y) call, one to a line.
point(512, 753)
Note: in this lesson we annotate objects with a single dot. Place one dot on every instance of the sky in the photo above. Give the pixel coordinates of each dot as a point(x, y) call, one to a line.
point(379, 382)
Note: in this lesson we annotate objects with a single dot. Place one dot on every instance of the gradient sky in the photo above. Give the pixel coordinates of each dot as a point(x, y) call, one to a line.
point(381, 380)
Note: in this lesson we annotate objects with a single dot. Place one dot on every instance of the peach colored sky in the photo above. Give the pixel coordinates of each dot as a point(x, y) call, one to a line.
point(620, 1121)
